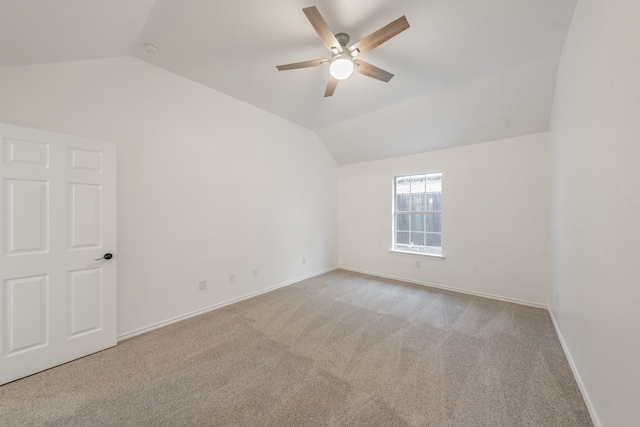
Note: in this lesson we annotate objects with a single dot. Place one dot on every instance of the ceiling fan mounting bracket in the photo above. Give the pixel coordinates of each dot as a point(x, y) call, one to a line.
point(343, 39)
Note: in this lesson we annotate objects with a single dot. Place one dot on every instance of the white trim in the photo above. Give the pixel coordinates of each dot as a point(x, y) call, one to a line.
point(452, 289)
point(420, 254)
point(576, 374)
point(176, 319)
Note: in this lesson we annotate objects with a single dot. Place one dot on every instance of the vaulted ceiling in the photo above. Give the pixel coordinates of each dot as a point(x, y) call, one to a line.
point(466, 71)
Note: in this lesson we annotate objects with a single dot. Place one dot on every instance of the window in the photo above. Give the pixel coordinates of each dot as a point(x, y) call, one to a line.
point(417, 214)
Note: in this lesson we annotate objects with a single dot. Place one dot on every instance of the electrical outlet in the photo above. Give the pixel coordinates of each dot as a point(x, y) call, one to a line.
point(304, 260)
point(255, 272)
point(203, 285)
point(557, 298)
point(418, 264)
point(232, 278)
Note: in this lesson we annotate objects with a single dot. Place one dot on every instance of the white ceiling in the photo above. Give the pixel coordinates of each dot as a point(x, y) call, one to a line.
point(466, 71)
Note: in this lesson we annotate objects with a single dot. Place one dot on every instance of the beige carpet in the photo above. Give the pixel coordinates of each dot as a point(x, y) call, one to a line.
point(341, 349)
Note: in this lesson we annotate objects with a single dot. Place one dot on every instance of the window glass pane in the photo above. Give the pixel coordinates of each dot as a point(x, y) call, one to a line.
point(418, 183)
point(402, 202)
point(417, 239)
point(403, 185)
point(418, 202)
point(433, 183)
point(433, 202)
point(417, 222)
point(402, 222)
point(433, 222)
point(402, 238)
point(433, 239)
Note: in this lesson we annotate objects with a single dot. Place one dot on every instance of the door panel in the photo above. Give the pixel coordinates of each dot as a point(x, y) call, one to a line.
point(26, 152)
point(58, 296)
point(26, 216)
point(25, 313)
point(85, 220)
point(85, 288)
point(85, 160)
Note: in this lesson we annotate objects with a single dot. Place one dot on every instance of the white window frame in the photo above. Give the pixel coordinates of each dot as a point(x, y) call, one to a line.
point(421, 250)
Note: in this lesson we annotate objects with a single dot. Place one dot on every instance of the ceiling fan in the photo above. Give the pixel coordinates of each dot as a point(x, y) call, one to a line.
point(345, 60)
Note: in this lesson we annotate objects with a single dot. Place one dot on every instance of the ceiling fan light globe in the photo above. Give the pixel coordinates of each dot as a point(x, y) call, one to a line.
point(341, 67)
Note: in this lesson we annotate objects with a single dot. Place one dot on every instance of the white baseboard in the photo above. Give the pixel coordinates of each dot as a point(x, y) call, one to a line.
point(176, 319)
point(452, 289)
point(576, 374)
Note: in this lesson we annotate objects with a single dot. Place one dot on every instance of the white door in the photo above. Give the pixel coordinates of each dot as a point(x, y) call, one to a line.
point(58, 219)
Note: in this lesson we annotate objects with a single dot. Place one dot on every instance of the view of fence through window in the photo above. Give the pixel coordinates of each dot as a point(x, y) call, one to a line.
point(418, 213)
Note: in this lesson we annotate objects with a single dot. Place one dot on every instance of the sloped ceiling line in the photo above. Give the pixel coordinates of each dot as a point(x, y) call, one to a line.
point(465, 71)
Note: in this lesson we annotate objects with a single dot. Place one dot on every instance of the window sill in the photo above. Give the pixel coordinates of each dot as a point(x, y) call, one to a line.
point(419, 254)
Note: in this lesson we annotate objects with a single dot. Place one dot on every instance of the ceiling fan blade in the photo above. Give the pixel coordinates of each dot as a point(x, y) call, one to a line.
point(322, 28)
point(331, 86)
point(305, 64)
point(369, 70)
point(385, 33)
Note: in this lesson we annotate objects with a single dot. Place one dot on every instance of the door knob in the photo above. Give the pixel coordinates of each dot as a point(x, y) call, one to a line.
point(106, 256)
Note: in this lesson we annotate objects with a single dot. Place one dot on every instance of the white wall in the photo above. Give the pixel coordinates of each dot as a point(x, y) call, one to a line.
point(207, 185)
point(596, 146)
point(496, 218)
point(490, 108)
